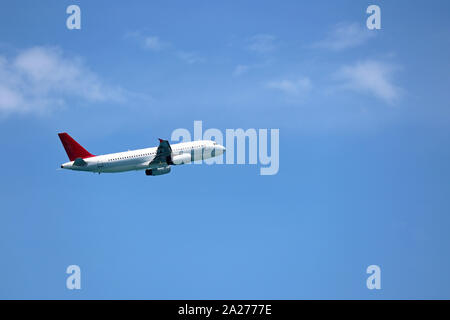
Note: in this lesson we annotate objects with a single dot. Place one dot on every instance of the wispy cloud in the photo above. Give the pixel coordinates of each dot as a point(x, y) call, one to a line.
point(240, 70)
point(374, 77)
point(149, 42)
point(155, 44)
point(39, 79)
point(345, 36)
point(190, 57)
point(262, 43)
point(292, 87)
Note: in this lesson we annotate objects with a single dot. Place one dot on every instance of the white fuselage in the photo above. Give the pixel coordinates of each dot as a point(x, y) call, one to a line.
point(140, 159)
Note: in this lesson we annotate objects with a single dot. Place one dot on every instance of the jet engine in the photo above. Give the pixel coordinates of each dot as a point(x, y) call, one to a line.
point(181, 158)
point(157, 171)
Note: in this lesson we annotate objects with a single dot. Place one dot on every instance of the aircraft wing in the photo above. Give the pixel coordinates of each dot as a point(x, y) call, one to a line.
point(163, 154)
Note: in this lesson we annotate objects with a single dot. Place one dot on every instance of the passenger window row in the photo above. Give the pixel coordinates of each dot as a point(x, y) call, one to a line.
point(135, 156)
point(147, 154)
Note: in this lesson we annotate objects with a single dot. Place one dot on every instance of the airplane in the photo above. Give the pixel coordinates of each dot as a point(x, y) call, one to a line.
point(156, 161)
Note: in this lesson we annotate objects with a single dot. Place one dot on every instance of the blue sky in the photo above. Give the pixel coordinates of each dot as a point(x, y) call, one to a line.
point(364, 132)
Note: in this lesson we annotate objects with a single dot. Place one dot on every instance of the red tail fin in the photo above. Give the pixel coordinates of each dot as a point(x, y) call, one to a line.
point(73, 149)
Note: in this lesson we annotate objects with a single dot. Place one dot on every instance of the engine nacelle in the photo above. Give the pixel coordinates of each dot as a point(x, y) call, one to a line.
point(181, 158)
point(157, 171)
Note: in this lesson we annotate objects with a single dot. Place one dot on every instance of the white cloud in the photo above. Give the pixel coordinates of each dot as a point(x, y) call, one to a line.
point(292, 87)
point(372, 77)
point(41, 78)
point(345, 36)
point(262, 43)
